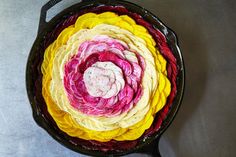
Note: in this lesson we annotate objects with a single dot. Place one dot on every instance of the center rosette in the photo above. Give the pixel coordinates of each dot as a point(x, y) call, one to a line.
point(104, 77)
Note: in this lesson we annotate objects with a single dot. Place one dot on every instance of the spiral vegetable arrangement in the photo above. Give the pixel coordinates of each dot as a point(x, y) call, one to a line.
point(104, 78)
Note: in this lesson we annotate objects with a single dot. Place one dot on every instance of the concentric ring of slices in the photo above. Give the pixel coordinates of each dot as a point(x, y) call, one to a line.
point(107, 75)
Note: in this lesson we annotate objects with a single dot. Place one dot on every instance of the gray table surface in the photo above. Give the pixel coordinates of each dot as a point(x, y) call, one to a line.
point(205, 124)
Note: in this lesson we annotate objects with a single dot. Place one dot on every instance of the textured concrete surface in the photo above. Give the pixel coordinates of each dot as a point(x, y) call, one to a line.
point(205, 124)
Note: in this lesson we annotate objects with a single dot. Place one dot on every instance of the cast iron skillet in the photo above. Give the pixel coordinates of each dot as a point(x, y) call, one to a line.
point(148, 145)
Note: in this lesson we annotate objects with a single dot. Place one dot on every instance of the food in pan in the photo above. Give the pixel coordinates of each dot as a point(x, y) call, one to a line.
point(105, 77)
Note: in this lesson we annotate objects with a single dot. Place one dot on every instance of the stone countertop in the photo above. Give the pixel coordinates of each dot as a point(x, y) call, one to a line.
point(204, 126)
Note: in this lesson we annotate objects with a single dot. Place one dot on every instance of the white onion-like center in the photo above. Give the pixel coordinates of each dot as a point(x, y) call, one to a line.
point(103, 79)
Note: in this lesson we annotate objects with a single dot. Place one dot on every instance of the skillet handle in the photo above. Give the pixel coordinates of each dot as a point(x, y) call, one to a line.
point(155, 149)
point(43, 14)
point(51, 3)
point(152, 149)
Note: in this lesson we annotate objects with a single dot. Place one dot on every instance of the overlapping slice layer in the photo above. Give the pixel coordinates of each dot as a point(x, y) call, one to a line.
point(94, 79)
point(121, 123)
